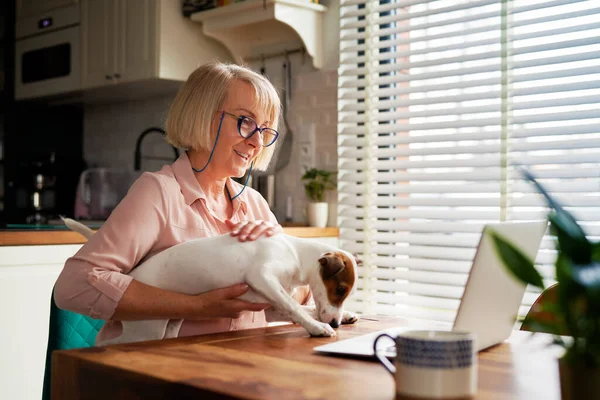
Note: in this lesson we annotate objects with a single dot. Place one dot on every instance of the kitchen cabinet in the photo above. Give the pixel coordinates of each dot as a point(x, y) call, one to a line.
point(27, 276)
point(126, 41)
point(26, 8)
point(249, 27)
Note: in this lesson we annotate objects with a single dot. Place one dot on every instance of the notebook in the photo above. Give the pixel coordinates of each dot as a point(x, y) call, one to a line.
point(490, 302)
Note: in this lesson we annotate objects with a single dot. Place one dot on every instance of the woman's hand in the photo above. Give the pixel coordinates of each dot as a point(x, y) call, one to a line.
point(252, 230)
point(223, 303)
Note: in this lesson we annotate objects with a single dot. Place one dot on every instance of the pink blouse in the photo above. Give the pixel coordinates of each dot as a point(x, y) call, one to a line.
point(161, 209)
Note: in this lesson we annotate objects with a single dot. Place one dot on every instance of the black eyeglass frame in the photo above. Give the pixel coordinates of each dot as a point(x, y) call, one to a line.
point(240, 121)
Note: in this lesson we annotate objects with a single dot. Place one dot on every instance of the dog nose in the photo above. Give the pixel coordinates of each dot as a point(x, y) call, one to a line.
point(334, 323)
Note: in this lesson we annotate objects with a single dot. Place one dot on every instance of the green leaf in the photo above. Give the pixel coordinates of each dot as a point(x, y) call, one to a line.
point(516, 262)
point(571, 238)
point(596, 251)
point(588, 276)
point(533, 325)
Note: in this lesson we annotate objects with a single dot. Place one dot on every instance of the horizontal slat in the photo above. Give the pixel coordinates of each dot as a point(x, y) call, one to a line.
point(409, 138)
point(581, 128)
point(374, 93)
point(555, 45)
point(582, 186)
point(449, 149)
point(351, 106)
point(435, 227)
point(562, 16)
point(348, 49)
point(554, 88)
point(480, 201)
point(437, 62)
point(491, 187)
point(557, 31)
point(454, 111)
point(433, 252)
point(388, 128)
point(464, 240)
point(349, 25)
point(482, 161)
point(467, 175)
point(437, 213)
point(470, 175)
point(382, 8)
point(429, 51)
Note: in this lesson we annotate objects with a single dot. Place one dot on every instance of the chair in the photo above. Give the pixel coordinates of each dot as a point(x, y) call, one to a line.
point(537, 313)
point(68, 330)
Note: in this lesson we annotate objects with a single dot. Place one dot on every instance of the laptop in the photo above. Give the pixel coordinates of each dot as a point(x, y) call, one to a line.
point(490, 302)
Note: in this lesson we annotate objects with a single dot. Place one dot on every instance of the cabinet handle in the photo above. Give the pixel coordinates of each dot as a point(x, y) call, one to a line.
point(108, 77)
point(117, 76)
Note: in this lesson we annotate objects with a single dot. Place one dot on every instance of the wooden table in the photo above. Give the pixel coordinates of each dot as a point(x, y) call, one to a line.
point(278, 363)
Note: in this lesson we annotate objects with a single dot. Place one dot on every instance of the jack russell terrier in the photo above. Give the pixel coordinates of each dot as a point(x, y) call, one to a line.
point(273, 267)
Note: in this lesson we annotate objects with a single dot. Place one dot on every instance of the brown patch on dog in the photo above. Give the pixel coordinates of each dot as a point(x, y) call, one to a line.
point(338, 276)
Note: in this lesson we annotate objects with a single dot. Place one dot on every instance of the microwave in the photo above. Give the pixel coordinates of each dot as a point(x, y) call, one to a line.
point(47, 54)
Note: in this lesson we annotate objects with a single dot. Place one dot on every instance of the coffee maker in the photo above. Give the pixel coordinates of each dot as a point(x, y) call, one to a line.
point(43, 161)
point(35, 189)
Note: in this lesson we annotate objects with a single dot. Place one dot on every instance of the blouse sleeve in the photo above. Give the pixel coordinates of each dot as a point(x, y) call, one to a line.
point(93, 281)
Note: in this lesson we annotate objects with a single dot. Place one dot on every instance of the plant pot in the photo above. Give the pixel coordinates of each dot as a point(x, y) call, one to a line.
point(578, 382)
point(317, 214)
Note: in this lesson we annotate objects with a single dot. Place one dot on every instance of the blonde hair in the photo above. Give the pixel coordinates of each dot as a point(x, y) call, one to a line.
point(192, 112)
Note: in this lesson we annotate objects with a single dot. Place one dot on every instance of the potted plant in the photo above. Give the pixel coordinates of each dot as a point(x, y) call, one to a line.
point(317, 182)
point(577, 306)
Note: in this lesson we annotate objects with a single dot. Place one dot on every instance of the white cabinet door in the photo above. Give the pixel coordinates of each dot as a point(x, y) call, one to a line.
point(27, 276)
point(99, 34)
point(25, 8)
point(137, 40)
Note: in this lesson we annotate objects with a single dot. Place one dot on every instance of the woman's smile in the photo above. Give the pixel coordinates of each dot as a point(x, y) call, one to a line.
point(245, 156)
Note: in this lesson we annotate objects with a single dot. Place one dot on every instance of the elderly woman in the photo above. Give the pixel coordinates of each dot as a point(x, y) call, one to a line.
point(225, 117)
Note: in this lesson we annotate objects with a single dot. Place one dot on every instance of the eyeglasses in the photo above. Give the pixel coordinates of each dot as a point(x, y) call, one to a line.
point(248, 127)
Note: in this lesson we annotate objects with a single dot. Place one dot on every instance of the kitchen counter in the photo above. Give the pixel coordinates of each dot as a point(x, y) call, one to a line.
point(16, 237)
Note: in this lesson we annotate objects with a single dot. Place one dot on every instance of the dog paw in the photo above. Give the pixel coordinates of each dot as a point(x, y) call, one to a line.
point(349, 317)
point(321, 329)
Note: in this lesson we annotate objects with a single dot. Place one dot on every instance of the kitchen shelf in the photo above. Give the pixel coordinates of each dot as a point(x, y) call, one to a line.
point(244, 26)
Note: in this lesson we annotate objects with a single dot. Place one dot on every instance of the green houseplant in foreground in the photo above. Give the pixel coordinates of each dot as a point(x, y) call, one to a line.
point(577, 306)
point(317, 182)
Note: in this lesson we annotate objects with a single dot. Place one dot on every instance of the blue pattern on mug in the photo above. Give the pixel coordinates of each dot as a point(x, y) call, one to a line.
point(434, 354)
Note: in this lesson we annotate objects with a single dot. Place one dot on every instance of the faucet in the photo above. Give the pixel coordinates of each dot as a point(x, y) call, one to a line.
point(137, 160)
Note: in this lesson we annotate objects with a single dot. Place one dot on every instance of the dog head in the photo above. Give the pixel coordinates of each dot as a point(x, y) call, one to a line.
point(338, 273)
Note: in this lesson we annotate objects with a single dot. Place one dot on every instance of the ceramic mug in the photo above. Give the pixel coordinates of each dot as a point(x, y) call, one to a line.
point(432, 364)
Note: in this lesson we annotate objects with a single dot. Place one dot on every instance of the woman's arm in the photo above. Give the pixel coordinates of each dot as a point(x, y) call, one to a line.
point(141, 301)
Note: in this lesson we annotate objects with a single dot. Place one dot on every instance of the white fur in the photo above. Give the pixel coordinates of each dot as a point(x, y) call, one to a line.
point(273, 267)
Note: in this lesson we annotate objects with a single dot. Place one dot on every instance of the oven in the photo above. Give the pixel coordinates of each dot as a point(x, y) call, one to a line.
point(47, 59)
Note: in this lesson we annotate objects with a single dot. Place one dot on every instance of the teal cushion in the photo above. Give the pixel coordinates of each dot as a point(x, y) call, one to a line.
point(68, 330)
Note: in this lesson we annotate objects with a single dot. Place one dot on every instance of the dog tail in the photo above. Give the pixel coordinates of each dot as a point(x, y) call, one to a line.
point(78, 227)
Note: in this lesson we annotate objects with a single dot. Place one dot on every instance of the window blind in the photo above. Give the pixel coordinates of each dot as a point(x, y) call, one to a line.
point(439, 101)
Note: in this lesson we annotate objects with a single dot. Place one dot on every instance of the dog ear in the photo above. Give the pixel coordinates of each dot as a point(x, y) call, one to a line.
point(331, 265)
point(358, 260)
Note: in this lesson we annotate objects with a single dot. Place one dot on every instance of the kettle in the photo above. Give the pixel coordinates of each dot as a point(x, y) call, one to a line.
point(100, 190)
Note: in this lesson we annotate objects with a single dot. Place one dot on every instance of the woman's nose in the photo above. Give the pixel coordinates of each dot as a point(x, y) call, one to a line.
point(256, 139)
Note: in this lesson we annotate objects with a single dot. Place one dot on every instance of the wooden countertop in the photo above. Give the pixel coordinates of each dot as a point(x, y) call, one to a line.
point(46, 237)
